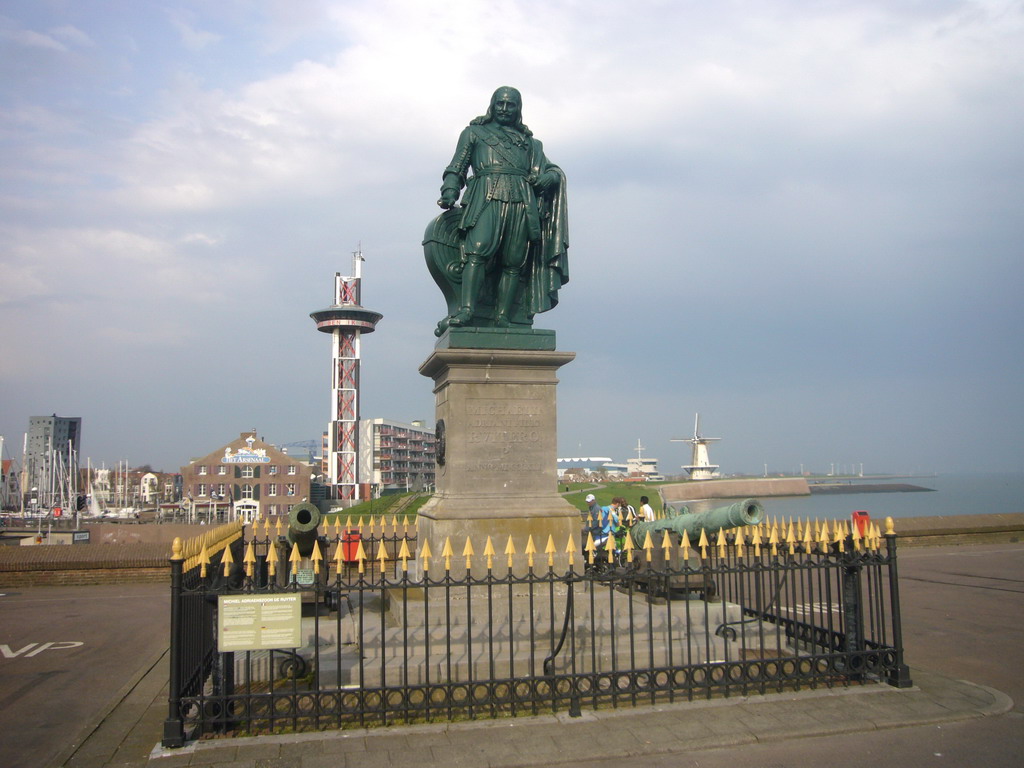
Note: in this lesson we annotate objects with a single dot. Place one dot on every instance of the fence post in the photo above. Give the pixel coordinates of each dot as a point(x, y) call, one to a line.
point(174, 731)
point(899, 675)
point(853, 612)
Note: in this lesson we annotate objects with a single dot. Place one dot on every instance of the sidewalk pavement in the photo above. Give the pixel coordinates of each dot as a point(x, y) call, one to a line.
point(129, 733)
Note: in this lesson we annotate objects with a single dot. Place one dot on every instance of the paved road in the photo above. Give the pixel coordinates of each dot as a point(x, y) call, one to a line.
point(963, 610)
point(65, 654)
point(963, 616)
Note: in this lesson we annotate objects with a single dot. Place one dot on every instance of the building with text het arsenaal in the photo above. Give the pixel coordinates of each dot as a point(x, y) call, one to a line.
point(250, 474)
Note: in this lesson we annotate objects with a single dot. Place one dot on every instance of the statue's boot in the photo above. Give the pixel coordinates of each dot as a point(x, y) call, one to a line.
point(472, 280)
point(507, 286)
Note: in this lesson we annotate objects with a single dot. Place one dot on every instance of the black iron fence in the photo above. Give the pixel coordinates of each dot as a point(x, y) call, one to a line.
point(392, 634)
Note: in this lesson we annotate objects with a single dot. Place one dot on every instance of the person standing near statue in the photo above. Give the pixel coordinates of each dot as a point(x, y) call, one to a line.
point(513, 225)
point(646, 511)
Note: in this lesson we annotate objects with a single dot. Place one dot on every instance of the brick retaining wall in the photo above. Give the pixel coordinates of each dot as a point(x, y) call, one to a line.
point(84, 577)
point(53, 564)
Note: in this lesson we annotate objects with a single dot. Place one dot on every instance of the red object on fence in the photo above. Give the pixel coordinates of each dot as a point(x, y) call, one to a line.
point(57, 511)
point(862, 520)
point(350, 545)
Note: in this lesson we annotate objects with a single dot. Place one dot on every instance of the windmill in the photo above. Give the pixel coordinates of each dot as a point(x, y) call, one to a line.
point(700, 466)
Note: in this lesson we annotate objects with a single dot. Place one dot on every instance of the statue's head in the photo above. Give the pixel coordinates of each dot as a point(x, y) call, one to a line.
point(506, 109)
point(506, 106)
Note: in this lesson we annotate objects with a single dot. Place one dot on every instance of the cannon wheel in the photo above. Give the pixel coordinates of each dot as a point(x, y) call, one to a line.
point(293, 667)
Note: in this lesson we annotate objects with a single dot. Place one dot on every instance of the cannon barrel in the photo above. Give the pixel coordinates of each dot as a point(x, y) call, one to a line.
point(746, 512)
point(303, 520)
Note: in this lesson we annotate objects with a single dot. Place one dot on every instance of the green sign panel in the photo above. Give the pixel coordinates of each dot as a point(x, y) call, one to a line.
point(258, 622)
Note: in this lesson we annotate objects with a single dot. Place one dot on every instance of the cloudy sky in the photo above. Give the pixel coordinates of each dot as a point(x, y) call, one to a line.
point(803, 219)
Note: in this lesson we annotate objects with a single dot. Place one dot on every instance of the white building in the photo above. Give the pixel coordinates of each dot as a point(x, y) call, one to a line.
point(637, 468)
point(396, 457)
point(584, 464)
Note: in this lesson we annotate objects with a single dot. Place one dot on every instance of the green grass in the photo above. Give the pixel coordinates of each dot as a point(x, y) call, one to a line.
point(631, 492)
point(381, 506)
point(576, 496)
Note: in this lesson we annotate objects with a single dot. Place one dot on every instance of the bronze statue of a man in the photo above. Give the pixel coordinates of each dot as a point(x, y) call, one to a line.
point(502, 256)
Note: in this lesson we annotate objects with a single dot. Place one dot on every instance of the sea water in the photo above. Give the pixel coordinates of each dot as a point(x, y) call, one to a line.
point(954, 494)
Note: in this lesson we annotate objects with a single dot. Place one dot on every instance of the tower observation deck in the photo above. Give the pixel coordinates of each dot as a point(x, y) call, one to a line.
point(346, 321)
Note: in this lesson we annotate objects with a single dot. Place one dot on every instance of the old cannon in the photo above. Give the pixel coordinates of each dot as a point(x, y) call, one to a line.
point(303, 520)
point(737, 515)
point(663, 577)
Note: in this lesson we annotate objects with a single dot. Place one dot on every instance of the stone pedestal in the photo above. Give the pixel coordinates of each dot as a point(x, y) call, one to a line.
point(496, 473)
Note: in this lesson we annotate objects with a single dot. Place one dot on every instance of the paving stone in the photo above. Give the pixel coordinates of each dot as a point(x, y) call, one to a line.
point(263, 751)
point(375, 759)
point(172, 761)
point(275, 762)
point(302, 748)
point(344, 744)
point(454, 757)
point(208, 757)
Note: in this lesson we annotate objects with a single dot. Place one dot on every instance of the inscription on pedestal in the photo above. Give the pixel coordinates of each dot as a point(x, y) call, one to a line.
point(497, 431)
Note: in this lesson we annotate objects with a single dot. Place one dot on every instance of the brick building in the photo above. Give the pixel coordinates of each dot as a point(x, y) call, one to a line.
point(248, 477)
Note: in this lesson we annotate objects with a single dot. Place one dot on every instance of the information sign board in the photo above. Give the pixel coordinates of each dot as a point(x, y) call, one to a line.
point(258, 622)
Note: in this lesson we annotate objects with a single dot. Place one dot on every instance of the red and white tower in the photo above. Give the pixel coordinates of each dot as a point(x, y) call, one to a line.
point(346, 321)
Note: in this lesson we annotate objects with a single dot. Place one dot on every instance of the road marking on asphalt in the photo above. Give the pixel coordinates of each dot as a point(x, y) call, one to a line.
point(60, 645)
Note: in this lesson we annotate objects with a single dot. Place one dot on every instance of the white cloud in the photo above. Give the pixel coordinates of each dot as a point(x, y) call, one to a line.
point(739, 176)
point(30, 39)
point(192, 38)
point(73, 35)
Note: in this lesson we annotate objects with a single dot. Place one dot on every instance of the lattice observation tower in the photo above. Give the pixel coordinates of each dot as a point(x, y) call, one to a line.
point(346, 321)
